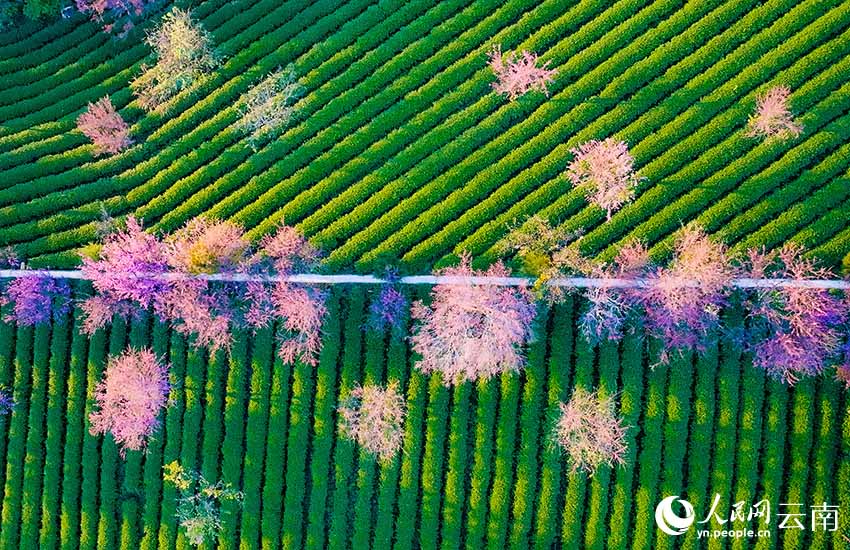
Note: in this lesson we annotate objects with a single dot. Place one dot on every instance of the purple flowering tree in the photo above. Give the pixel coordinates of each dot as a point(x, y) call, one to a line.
point(36, 299)
point(795, 331)
point(7, 402)
point(683, 301)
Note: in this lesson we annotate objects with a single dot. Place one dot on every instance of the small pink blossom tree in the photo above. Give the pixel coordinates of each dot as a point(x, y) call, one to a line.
point(590, 432)
point(609, 307)
point(102, 124)
point(301, 307)
point(605, 171)
point(773, 118)
point(472, 331)
point(796, 331)
point(374, 418)
point(683, 300)
point(519, 74)
point(129, 398)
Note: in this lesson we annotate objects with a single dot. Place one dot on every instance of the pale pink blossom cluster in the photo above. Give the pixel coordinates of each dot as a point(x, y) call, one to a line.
point(469, 331)
point(373, 417)
point(605, 171)
point(773, 118)
point(518, 74)
point(114, 15)
point(590, 431)
point(129, 398)
point(103, 125)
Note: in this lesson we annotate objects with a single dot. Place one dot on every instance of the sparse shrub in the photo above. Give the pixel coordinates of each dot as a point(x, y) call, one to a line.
point(199, 505)
point(842, 374)
point(9, 258)
point(102, 124)
point(796, 331)
point(129, 398)
point(605, 171)
point(268, 107)
point(373, 417)
point(184, 54)
point(472, 331)
point(518, 74)
point(773, 118)
point(36, 299)
point(590, 432)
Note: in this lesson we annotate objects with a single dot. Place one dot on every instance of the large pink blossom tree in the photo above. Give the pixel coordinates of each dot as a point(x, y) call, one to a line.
point(472, 331)
point(129, 398)
point(683, 300)
point(301, 308)
point(127, 275)
point(518, 74)
point(796, 331)
point(103, 125)
point(604, 170)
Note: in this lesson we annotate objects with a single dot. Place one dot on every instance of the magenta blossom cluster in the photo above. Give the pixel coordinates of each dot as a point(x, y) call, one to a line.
point(136, 270)
point(36, 299)
point(115, 16)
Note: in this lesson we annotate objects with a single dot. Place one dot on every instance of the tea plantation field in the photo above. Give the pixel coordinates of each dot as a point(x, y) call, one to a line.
point(401, 152)
point(477, 470)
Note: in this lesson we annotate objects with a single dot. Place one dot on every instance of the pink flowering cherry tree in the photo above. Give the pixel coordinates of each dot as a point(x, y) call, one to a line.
point(373, 416)
point(198, 307)
point(589, 430)
point(129, 398)
point(103, 125)
point(605, 171)
point(127, 275)
point(518, 74)
point(116, 16)
point(683, 301)
point(797, 331)
point(608, 307)
point(773, 117)
point(469, 331)
point(301, 308)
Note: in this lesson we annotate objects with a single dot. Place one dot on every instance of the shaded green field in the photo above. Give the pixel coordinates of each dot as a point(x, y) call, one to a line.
point(477, 470)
